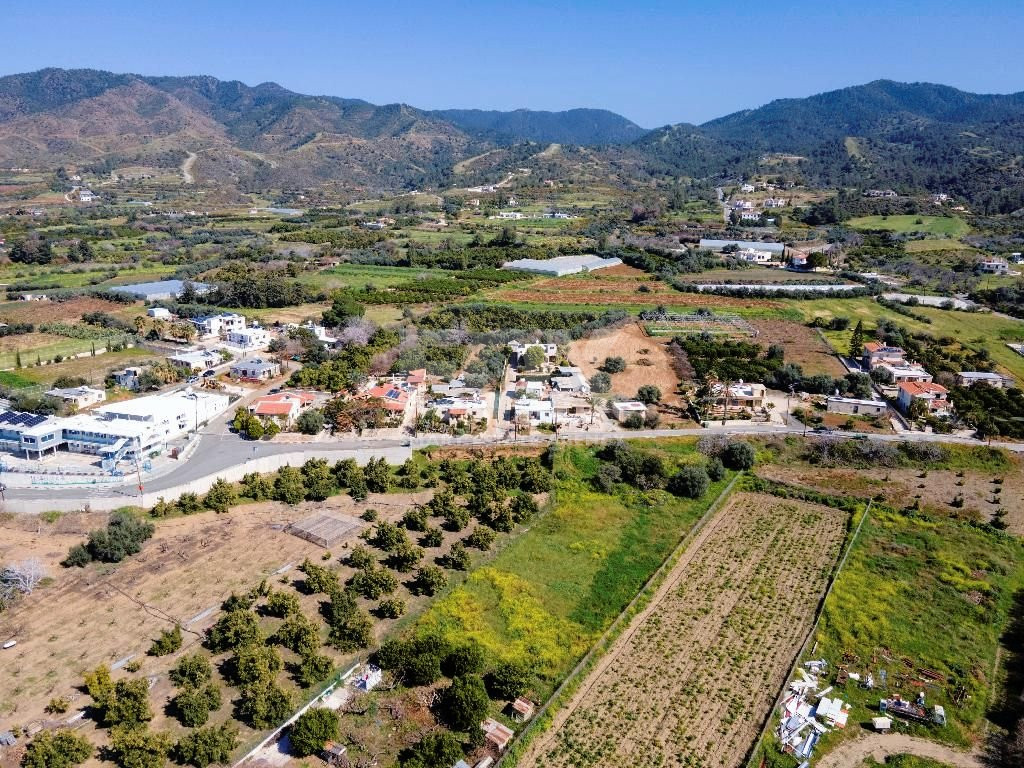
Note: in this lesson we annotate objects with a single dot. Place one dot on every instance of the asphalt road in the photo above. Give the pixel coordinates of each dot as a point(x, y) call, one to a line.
point(219, 450)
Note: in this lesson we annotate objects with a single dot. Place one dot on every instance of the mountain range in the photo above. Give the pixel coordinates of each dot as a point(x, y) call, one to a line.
point(884, 133)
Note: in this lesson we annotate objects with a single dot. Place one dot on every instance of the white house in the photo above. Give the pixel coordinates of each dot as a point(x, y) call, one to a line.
point(746, 188)
point(196, 359)
point(211, 326)
point(910, 372)
point(86, 196)
point(855, 406)
point(80, 397)
point(994, 266)
point(755, 256)
point(256, 369)
point(249, 338)
point(622, 410)
point(533, 411)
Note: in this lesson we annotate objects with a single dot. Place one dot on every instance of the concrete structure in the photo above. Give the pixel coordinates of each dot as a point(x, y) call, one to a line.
point(624, 409)
point(900, 374)
point(855, 407)
point(569, 379)
point(561, 265)
point(129, 430)
point(970, 378)
point(249, 338)
point(196, 359)
point(160, 290)
point(994, 266)
point(80, 397)
point(739, 397)
point(755, 255)
point(776, 249)
point(533, 411)
point(876, 353)
point(212, 326)
point(933, 395)
point(159, 313)
point(458, 409)
point(255, 369)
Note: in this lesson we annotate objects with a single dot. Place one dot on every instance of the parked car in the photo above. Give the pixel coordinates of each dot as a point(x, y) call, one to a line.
point(208, 374)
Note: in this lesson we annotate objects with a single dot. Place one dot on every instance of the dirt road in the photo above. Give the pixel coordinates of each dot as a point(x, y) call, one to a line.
point(880, 746)
point(186, 167)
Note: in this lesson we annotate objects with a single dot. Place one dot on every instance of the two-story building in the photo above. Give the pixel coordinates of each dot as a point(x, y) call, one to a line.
point(934, 396)
point(216, 326)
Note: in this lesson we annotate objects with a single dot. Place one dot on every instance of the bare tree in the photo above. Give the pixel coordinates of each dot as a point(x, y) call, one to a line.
point(21, 578)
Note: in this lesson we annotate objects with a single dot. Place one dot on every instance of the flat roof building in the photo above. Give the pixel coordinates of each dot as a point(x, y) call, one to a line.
point(160, 290)
point(776, 249)
point(854, 406)
point(561, 265)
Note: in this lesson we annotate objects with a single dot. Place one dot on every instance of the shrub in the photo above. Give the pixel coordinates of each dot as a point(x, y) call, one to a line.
point(465, 659)
point(374, 582)
point(432, 537)
point(193, 704)
point(168, 642)
point(690, 481)
point(600, 383)
point(715, 469)
point(129, 704)
point(289, 486)
point(56, 749)
point(738, 455)
point(310, 422)
point(633, 421)
point(457, 558)
point(464, 703)
point(314, 668)
point(191, 670)
point(263, 705)
point(481, 538)
point(614, 365)
point(220, 497)
point(648, 394)
point(206, 746)
point(429, 580)
point(313, 728)
point(391, 608)
point(282, 605)
point(508, 680)
point(435, 750)
point(232, 630)
point(139, 748)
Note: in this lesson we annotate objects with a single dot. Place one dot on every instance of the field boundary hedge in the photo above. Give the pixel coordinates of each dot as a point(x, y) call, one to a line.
point(565, 690)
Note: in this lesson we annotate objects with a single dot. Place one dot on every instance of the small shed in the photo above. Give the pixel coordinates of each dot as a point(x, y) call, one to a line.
point(7, 738)
point(334, 753)
point(522, 709)
point(496, 734)
point(881, 724)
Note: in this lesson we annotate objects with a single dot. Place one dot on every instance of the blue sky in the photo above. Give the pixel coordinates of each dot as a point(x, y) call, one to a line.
point(654, 62)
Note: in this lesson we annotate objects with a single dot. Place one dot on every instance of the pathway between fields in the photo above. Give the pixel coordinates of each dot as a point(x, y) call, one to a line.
point(880, 746)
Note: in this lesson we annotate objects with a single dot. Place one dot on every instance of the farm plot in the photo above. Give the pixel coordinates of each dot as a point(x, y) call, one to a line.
point(691, 681)
point(675, 324)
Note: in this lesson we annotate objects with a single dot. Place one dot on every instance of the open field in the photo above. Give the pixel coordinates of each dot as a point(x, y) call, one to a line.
point(61, 311)
point(359, 275)
point(951, 226)
point(43, 347)
point(93, 369)
point(803, 346)
point(921, 603)
point(756, 275)
point(935, 489)
point(936, 244)
point(631, 343)
point(552, 591)
point(691, 680)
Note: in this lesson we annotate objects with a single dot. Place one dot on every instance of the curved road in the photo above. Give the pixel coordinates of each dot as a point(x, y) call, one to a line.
point(879, 746)
point(219, 449)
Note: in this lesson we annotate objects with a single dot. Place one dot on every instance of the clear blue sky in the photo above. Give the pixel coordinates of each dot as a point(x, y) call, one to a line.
point(654, 62)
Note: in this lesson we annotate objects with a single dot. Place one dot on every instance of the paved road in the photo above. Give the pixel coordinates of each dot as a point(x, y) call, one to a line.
point(219, 450)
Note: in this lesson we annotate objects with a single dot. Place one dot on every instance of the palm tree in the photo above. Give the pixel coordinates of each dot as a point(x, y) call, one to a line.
point(140, 324)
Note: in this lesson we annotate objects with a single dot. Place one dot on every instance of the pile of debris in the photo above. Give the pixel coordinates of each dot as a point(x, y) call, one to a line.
point(808, 714)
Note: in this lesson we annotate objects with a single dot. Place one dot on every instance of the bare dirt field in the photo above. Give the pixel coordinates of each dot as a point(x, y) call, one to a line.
point(106, 614)
point(803, 346)
point(628, 342)
point(935, 489)
point(612, 290)
point(691, 680)
point(56, 311)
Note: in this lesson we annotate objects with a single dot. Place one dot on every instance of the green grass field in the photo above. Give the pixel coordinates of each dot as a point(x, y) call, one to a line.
point(905, 579)
point(93, 369)
point(950, 226)
point(975, 329)
point(547, 596)
point(359, 275)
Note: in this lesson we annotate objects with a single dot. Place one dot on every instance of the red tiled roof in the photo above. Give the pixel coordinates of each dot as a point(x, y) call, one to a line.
point(272, 408)
point(915, 388)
